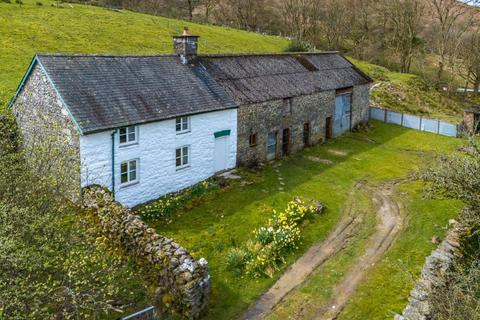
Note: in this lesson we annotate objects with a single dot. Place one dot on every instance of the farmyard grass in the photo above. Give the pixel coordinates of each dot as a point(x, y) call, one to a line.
point(227, 218)
point(74, 28)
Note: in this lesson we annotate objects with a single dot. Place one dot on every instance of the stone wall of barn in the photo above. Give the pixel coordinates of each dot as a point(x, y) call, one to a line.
point(50, 138)
point(360, 104)
point(274, 116)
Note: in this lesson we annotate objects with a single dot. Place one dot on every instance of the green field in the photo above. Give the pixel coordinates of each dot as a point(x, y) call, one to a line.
point(210, 226)
point(30, 28)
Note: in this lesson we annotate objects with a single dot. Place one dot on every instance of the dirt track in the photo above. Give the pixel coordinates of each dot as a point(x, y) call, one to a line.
point(390, 221)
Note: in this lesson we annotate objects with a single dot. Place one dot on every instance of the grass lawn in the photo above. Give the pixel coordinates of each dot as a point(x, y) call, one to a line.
point(226, 218)
point(28, 29)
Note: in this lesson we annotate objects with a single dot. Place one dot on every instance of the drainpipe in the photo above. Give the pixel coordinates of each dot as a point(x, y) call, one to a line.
point(113, 163)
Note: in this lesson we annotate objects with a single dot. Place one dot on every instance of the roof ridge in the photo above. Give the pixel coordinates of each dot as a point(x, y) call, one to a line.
point(284, 73)
point(208, 55)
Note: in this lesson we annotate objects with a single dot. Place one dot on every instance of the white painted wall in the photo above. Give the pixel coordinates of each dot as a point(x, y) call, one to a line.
point(156, 153)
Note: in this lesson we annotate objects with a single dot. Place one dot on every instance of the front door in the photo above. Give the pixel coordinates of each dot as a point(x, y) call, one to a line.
point(286, 141)
point(343, 107)
point(220, 154)
point(271, 145)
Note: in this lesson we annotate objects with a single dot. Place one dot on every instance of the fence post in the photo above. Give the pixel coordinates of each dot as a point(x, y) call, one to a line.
point(420, 128)
point(438, 127)
point(401, 123)
point(385, 115)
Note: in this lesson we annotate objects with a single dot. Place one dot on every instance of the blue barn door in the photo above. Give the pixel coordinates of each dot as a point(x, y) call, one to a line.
point(343, 106)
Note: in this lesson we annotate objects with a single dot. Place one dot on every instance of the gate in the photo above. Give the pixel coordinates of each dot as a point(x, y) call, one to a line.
point(343, 106)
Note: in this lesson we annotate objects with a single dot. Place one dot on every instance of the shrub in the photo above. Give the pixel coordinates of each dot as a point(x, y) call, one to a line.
point(19, 2)
point(297, 46)
point(236, 260)
point(6, 1)
point(264, 255)
point(167, 206)
point(38, 3)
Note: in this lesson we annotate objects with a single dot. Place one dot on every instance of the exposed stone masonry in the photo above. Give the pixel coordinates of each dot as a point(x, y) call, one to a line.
point(433, 275)
point(183, 282)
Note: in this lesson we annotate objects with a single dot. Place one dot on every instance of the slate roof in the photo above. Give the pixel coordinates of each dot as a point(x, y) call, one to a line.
point(258, 78)
point(105, 92)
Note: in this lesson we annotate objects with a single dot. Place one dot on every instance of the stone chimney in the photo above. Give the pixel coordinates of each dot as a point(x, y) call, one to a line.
point(186, 46)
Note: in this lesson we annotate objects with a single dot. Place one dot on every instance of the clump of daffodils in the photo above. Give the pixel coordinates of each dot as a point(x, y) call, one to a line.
point(263, 255)
point(166, 206)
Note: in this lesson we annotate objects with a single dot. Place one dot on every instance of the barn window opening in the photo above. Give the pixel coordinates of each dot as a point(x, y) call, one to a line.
point(252, 140)
point(287, 106)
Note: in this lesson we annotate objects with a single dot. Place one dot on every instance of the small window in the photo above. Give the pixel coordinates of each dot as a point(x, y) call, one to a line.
point(182, 124)
point(129, 172)
point(287, 107)
point(181, 157)
point(253, 139)
point(128, 135)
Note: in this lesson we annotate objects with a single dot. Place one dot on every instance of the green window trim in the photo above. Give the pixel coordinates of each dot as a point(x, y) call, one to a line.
point(222, 133)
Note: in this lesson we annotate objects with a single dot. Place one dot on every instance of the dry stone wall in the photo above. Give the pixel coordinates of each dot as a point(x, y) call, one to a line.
point(433, 274)
point(183, 282)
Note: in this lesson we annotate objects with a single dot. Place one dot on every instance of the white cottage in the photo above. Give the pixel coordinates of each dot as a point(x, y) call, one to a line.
point(142, 126)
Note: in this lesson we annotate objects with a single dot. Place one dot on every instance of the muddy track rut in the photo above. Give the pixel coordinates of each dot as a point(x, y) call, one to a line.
point(390, 221)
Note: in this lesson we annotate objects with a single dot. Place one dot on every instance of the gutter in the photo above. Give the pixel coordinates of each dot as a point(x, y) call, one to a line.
point(113, 163)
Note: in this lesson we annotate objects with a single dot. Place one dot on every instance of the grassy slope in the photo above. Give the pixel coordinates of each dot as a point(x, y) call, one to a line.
point(410, 94)
point(228, 218)
point(29, 29)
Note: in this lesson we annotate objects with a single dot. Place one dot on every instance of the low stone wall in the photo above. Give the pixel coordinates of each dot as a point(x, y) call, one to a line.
point(433, 274)
point(183, 283)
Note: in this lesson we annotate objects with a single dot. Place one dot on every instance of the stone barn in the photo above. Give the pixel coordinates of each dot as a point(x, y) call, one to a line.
point(289, 101)
point(145, 126)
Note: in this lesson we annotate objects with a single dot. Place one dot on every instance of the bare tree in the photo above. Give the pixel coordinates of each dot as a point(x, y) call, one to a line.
point(469, 67)
point(298, 17)
point(335, 22)
point(453, 20)
point(405, 17)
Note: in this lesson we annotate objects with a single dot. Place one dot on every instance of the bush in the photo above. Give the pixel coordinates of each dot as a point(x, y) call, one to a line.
point(19, 2)
point(38, 3)
point(6, 1)
point(236, 260)
point(167, 206)
point(297, 46)
point(263, 256)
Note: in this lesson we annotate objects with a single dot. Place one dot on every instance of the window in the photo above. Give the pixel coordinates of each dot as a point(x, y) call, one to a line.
point(129, 172)
point(128, 135)
point(287, 107)
point(182, 124)
point(181, 157)
point(253, 139)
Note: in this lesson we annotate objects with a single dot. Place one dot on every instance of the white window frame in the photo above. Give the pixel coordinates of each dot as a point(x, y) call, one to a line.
point(128, 131)
point(129, 172)
point(182, 165)
point(182, 122)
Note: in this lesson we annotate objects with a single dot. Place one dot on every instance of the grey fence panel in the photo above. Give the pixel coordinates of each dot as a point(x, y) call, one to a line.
point(447, 129)
point(410, 121)
point(377, 114)
point(430, 125)
point(394, 117)
point(414, 122)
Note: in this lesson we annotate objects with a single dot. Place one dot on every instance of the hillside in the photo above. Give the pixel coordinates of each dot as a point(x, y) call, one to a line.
point(74, 28)
point(409, 93)
point(31, 28)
